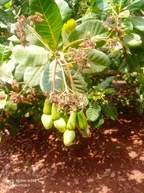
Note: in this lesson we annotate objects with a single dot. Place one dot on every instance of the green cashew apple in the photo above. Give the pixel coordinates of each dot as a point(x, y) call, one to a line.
point(85, 132)
point(81, 120)
point(60, 124)
point(68, 137)
point(47, 121)
point(71, 124)
point(47, 107)
point(55, 113)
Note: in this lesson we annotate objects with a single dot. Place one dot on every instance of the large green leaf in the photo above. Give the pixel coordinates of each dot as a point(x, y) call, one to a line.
point(79, 83)
point(110, 110)
point(50, 28)
point(47, 78)
point(100, 5)
point(132, 62)
point(98, 62)
point(132, 40)
point(65, 10)
point(2, 2)
point(138, 22)
point(32, 75)
point(93, 112)
point(136, 5)
point(106, 83)
point(5, 53)
point(5, 17)
point(124, 67)
point(89, 27)
point(6, 71)
point(30, 55)
point(19, 72)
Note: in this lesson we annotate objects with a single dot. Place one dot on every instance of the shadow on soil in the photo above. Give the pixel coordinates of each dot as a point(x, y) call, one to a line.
point(110, 161)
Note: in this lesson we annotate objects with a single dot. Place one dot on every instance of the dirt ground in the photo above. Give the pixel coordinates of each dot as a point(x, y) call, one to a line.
point(110, 161)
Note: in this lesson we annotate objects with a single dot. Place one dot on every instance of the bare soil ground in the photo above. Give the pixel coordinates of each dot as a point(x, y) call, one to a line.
point(110, 161)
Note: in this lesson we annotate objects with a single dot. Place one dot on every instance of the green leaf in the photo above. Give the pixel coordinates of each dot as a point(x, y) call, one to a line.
point(19, 72)
point(100, 5)
point(125, 14)
point(138, 22)
point(47, 78)
point(5, 17)
point(134, 62)
point(98, 63)
point(141, 77)
point(139, 108)
point(124, 67)
point(3, 98)
point(79, 83)
point(91, 28)
point(5, 53)
point(65, 10)
point(110, 111)
point(6, 71)
point(110, 91)
point(10, 107)
point(99, 122)
point(132, 40)
point(30, 55)
point(93, 112)
point(106, 83)
point(32, 75)
point(50, 28)
point(2, 2)
point(136, 5)
point(127, 25)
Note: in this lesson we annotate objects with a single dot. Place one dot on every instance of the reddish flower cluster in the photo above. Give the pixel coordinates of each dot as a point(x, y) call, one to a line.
point(35, 18)
point(22, 21)
point(15, 85)
point(68, 101)
point(20, 29)
point(28, 96)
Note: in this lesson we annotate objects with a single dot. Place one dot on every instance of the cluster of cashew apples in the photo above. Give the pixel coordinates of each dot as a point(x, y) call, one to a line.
point(64, 123)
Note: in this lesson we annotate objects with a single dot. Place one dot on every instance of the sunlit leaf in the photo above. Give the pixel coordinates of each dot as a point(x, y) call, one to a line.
point(98, 63)
point(30, 55)
point(132, 40)
point(50, 28)
point(93, 112)
point(89, 28)
point(79, 83)
point(138, 22)
point(5, 53)
point(32, 75)
point(65, 10)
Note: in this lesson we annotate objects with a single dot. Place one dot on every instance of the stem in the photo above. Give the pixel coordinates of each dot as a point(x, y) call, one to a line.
point(64, 79)
point(70, 77)
point(72, 43)
point(81, 40)
point(69, 73)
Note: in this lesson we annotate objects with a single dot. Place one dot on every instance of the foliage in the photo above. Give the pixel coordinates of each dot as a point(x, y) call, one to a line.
point(47, 51)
